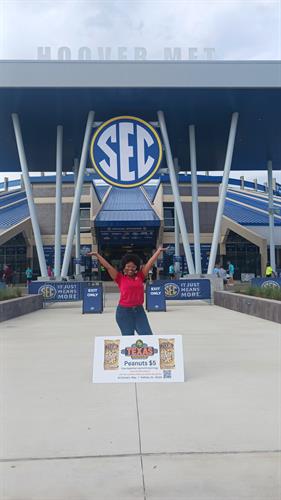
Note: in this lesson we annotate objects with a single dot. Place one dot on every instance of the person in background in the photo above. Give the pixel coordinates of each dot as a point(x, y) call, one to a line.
point(130, 314)
point(223, 274)
point(269, 271)
point(8, 274)
point(230, 272)
point(171, 271)
point(216, 270)
point(50, 271)
point(28, 274)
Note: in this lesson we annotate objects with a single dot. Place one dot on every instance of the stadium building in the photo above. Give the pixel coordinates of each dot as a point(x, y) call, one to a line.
point(210, 116)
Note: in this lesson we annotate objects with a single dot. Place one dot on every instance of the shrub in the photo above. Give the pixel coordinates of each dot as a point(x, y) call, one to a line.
point(266, 293)
point(10, 293)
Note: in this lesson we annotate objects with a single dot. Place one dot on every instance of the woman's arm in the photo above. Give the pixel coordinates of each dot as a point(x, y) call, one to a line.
point(111, 270)
point(151, 261)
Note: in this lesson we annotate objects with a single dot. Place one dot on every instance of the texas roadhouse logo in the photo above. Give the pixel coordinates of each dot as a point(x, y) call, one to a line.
point(126, 151)
point(139, 350)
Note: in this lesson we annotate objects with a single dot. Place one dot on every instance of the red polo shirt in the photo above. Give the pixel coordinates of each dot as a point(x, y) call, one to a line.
point(131, 289)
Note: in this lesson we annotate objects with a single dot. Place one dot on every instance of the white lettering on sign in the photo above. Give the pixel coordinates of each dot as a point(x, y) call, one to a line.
point(111, 167)
point(126, 151)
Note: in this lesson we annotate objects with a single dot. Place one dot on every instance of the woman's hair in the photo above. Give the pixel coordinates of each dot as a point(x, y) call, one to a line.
point(130, 257)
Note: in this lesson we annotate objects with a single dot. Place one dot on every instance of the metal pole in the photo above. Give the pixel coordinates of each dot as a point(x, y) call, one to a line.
point(77, 227)
point(271, 216)
point(58, 202)
point(28, 189)
point(77, 196)
point(227, 166)
point(195, 206)
point(176, 194)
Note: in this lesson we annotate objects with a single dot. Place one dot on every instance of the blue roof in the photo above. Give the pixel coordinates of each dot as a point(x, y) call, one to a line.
point(10, 216)
point(101, 190)
point(9, 198)
point(151, 190)
point(126, 207)
point(252, 201)
point(247, 216)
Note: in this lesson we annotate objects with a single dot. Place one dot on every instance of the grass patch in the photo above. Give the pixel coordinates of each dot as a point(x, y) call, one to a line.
point(10, 293)
point(265, 293)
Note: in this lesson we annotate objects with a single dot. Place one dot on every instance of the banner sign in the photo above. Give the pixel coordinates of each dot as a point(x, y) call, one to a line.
point(92, 299)
point(155, 297)
point(267, 282)
point(78, 261)
point(126, 151)
point(149, 358)
point(246, 277)
point(58, 291)
point(49, 252)
point(193, 289)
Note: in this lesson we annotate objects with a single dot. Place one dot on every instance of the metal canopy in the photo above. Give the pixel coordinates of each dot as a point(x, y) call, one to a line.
point(45, 100)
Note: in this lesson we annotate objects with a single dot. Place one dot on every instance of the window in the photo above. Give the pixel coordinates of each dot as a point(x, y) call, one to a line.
point(169, 216)
point(85, 213)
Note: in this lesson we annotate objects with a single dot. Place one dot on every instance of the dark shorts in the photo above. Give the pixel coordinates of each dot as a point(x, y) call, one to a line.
point(131, 319)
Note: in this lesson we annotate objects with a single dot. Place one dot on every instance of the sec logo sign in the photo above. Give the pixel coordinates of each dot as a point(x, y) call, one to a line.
point(126, 151)
point(48, 291)
point(171, 290)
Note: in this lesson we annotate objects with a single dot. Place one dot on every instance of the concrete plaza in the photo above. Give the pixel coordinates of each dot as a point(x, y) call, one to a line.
point(214, 437)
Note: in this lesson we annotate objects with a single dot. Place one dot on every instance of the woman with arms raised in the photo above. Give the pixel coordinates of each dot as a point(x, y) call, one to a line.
point(130, 314)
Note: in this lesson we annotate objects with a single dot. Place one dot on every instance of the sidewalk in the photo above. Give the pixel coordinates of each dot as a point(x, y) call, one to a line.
point(214, 437)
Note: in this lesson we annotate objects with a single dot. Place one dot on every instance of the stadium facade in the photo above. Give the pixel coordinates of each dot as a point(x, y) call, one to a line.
point(210, 116)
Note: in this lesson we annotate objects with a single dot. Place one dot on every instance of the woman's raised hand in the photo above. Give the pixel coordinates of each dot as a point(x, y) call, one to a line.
point(89, 254)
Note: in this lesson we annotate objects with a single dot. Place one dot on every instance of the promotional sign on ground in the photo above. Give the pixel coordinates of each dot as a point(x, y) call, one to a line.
point(155, 297)
point(197, 289)
point(92, 299)
point(149, 358)
point(126, 151)
point(267, 282)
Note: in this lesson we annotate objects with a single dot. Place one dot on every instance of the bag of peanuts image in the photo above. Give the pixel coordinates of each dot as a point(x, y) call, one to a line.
point(111, 354)
point(167, 353)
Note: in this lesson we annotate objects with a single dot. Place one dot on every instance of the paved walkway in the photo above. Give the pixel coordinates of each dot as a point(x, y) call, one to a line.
point(214, 437)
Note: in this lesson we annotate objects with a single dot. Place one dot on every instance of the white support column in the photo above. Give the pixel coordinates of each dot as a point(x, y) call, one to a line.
point(177, 244)
point(271, 216)
point(77, 196)
point(58, 202)
point(77, 227)
point(176, 194)
point(227, 167)
point(195, 205)
point(177, 229)
point(28, 189)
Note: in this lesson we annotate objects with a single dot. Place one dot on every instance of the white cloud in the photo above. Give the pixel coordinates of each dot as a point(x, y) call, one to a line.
point(248, 29)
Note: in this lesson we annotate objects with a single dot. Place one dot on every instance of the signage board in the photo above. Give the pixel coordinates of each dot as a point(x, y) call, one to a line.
point(193, 289)
point(64, 291)
point(246, 277)
point(126, 151)
point(148, 358)
point(267, 282)
point(155, 297)
point(92, 299)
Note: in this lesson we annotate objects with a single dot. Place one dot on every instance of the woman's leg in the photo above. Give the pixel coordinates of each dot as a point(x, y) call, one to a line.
point(125, 320)
point(142, 324)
